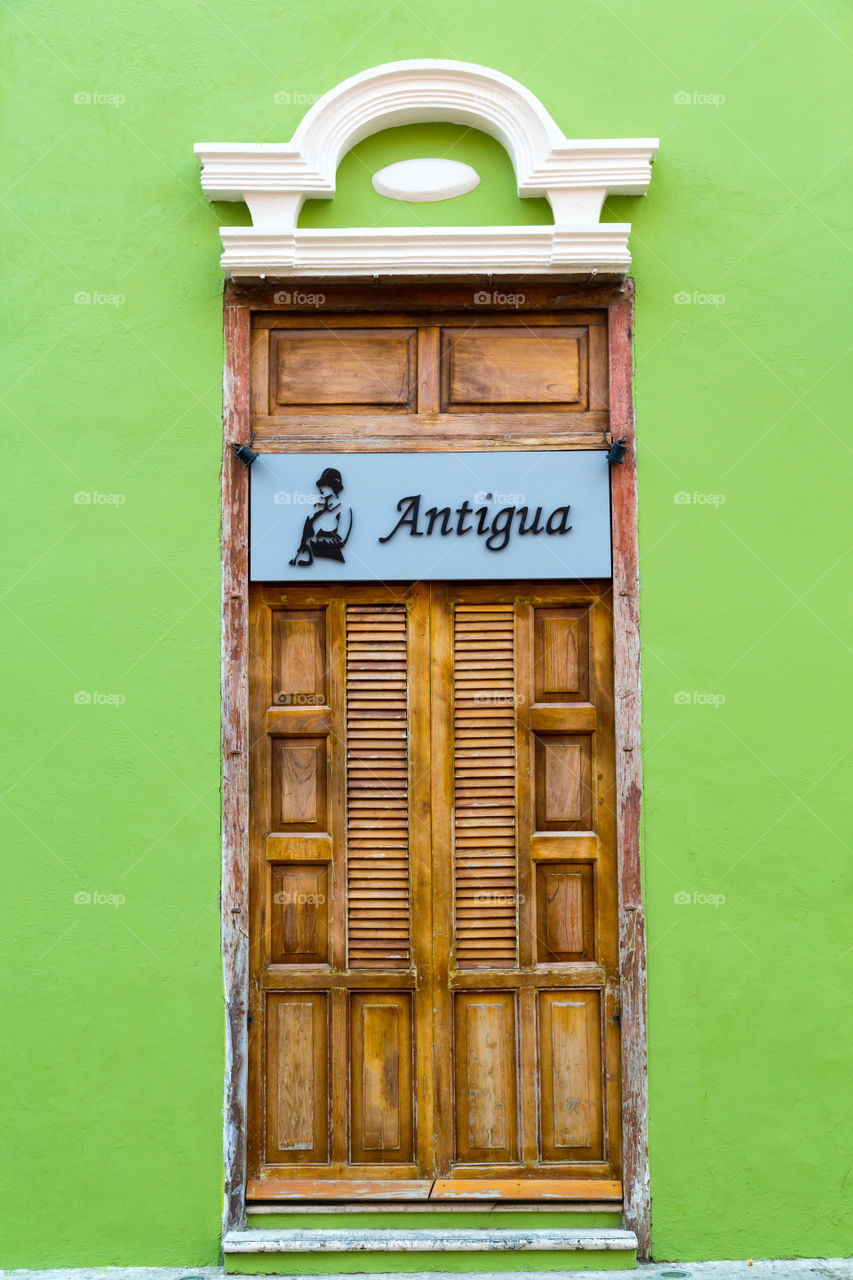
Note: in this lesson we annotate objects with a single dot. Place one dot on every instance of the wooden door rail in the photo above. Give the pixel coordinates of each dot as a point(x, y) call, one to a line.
point(551, 1189)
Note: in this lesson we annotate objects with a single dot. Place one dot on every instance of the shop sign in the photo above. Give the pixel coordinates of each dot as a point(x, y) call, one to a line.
point(486, 516)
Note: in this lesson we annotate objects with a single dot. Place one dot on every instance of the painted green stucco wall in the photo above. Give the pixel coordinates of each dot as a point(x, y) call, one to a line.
point(113, 1059)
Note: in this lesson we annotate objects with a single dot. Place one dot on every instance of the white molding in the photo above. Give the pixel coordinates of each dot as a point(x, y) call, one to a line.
point(253, 253)
point(574, 176)
point(425, 1240)
point(783, 1269)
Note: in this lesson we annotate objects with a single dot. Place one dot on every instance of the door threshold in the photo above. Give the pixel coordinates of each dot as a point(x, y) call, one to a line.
point(360, 1250)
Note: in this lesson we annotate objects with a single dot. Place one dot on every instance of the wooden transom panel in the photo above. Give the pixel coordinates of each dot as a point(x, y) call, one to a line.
point(355, 368)
point(433, 891)
point(518, 367)
point(417, 383)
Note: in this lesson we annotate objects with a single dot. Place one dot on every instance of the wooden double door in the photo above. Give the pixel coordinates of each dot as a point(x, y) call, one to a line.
point(434, 994)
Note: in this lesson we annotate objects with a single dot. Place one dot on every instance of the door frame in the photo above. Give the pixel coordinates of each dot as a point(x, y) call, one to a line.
point(239, 303)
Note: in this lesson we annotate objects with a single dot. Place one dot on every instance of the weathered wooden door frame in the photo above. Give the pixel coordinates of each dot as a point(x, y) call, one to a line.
point(240, 302)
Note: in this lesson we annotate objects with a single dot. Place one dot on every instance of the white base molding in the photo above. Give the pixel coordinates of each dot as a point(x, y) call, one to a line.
point(575, 176)
point(252, 253)
point(417, 1240)
point(789, 1269)
point(119, 1273)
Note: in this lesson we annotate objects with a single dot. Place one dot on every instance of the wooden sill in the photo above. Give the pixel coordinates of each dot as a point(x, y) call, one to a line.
point(552, 1190)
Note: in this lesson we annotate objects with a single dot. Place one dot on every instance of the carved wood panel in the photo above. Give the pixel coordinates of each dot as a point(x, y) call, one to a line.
point(347, 369)
point(514, 367)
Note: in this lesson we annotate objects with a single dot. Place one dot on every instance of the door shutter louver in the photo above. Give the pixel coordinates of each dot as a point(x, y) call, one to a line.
point(484, 835)
point(377, 787)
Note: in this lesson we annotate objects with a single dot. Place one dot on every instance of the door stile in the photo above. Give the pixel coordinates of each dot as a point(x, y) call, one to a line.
point(526, 900)
point(339, 1048)
point(441, 775)
point(429, 369)
point(526, 912)
point(259, 645)
point(420, 867)
point(339, 1077)
point(607, 905)
point(528, 1094)
point(336, 684)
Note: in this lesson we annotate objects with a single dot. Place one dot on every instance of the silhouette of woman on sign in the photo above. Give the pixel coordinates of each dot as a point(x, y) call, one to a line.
point(325, 533)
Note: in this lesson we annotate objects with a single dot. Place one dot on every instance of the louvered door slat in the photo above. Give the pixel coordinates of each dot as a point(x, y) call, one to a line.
point(484, 786)
point(377, 788)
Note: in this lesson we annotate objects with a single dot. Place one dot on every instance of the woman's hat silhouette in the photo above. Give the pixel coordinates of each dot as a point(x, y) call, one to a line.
point(331, 479)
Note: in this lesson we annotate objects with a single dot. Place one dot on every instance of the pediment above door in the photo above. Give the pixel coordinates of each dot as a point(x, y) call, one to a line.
point(575, 176)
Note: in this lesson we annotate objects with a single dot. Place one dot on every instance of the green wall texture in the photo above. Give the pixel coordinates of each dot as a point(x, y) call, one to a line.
point(113, 1024)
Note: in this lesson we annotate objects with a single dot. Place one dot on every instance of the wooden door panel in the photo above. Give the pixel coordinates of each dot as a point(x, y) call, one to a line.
point(354, 369)
point(297, 1078)
point(299, 657)
point(298, 789)
point(485, 1058)
point(570, 1075)
point(299, 913)
point(381, 1122)
point(563, 768)
point(561, 655)
point(565, 919)
point(484, 366)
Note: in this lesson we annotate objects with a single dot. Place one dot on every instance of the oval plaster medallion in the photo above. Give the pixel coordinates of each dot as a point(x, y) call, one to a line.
point(427, 179)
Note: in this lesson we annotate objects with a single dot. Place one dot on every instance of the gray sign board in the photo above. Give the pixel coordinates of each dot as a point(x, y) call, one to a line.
point(349, 517)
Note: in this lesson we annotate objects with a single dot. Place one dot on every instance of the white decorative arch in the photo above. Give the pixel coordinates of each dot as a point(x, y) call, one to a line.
point(574, 176)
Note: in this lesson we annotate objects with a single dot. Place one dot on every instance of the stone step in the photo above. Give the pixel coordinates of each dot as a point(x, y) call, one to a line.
point(264, 1251)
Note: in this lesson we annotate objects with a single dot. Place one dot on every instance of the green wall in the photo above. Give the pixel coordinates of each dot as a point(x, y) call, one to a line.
point(113, 1011)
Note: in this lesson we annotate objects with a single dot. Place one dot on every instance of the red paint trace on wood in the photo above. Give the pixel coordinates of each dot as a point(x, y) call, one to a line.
point(235, 758)
point(626, 657)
